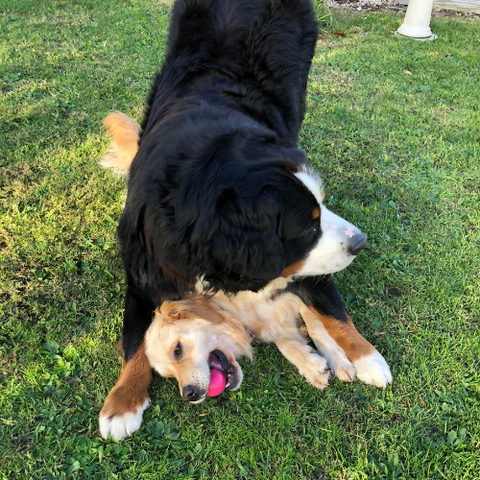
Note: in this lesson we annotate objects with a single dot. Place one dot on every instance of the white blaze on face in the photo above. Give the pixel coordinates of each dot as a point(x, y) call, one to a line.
point(313, 182)
point(331, 253)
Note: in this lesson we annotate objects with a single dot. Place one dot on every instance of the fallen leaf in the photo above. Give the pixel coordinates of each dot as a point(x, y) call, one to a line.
point(408, 72)
point(340, 34)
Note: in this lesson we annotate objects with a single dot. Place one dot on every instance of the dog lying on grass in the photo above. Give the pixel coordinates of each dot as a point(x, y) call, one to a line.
point(189, 338)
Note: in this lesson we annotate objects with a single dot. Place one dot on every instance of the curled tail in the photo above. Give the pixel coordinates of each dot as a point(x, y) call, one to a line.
point(124, 133)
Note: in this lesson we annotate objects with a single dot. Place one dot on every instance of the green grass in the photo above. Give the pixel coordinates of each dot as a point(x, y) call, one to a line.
point(400, 158)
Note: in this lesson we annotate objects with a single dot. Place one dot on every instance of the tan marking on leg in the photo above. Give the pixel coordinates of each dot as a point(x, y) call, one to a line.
point(336, 358)
point(346, 336)
point(293, 268)
point(131, 390)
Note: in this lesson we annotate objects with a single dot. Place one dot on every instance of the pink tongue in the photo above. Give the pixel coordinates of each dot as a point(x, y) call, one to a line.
point(217, 383)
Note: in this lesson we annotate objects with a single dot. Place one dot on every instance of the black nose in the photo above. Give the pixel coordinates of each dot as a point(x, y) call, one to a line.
point(191, 393)
point(356, 243)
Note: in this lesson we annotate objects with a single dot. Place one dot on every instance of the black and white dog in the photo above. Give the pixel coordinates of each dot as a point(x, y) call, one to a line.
point(220, 199)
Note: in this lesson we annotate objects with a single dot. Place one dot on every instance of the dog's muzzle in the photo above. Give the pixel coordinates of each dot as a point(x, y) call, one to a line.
point(356, 242)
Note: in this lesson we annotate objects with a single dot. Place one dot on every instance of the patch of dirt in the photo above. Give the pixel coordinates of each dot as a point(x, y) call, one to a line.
point(389, 6)
point(368, 5)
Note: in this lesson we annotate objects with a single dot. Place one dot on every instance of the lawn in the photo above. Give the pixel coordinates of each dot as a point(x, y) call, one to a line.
point(393, 127)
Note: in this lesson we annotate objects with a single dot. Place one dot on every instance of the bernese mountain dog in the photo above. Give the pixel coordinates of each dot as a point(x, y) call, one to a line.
point(220, 198)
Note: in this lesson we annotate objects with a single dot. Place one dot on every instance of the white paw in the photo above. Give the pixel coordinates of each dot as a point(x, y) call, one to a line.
point(122, 426)
point(316, 371)
point(343, 369)
point(373, 370)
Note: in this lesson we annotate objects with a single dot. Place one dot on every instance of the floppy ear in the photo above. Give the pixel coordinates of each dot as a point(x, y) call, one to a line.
point(173, 311)
point(193, 307)
point(245, 250)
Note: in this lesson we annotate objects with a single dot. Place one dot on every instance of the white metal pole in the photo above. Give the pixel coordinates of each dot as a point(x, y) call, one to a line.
point(417, 20)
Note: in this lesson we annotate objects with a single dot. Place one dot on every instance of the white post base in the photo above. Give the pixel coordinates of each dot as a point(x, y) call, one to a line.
point(417, 20)
point(422, 39)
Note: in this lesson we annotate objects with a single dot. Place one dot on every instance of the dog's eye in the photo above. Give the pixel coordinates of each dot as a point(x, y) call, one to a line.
point(312, 229)
point(178, 350)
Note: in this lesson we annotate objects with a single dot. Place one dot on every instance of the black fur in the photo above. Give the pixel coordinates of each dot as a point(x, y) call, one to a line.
point(322, 294)
point(212, 191)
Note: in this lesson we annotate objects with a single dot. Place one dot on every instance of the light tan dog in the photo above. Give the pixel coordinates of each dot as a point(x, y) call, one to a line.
point(189, 338)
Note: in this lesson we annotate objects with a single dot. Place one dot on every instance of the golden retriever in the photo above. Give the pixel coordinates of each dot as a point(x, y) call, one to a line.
point(189, 338)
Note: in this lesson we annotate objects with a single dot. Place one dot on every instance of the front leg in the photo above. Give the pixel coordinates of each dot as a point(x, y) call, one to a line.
point(310, 364)
point(123, 409)
point(337, 360)
point(336, 337)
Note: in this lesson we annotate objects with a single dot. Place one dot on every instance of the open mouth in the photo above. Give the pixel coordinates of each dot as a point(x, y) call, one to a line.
point(218, 361)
